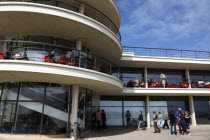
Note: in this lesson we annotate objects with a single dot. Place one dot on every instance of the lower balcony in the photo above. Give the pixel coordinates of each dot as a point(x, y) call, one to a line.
point(41, 62)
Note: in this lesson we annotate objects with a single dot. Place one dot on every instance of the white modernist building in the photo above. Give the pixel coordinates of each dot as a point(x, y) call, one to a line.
point(62, 60)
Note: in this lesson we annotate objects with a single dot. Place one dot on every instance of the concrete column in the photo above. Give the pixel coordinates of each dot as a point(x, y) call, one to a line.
point(145, 77)
point(192, 111)
point(147, 111)
point(74, 109)
point(187, 74)
point(82, 8)
point(2, 49)
point(79, 44)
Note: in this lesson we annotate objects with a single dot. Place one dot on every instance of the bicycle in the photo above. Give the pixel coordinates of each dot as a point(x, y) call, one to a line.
point(76, 131)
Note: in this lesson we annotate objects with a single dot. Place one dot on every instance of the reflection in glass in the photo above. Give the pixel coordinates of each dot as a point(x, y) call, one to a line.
point(7, 115)
point(114, 115)
point(134, 112)
point(28, 118)
point(54, 121)
point(202, 112)
point(10, 91)
point(32, 91)
point(157, 109)
point(134, 103)
point(110, 103)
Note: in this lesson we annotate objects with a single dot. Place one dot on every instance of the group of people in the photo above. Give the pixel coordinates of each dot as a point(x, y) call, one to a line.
point(180, 118)
point(99, 117)
point(200, 84)
point(136, 83)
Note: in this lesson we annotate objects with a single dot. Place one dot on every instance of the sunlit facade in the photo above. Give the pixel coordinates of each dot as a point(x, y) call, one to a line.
point(60, 61)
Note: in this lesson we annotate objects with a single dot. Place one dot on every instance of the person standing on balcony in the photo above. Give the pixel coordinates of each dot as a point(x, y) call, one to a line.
point(136, 83)
point(163, 79)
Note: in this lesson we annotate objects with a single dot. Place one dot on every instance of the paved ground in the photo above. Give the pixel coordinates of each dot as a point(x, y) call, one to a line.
point(119, 133)
point(123, 133)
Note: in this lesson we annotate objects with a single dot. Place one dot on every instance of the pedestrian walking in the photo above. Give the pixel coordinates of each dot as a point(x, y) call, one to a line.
point(103, 118)
point(128, 117)
point(141, 119)
point(155, 120)
point(173, 123)
point(98, 119)
point(187, 120)
point(165, 119)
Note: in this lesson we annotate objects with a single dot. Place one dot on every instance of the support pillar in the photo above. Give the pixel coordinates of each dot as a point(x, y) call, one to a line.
point(187, 74)
point(74, 109)
point(82, 8)
point(145, 77)
point(147, 111)
point(79, 44)
point(192, 111)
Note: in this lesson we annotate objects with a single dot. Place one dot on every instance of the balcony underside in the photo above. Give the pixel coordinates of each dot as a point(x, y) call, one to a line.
point(17, 70)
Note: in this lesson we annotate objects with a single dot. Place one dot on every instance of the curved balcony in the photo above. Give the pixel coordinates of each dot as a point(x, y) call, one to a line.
point(74, 5)
point(41, 19)
point(32, 61)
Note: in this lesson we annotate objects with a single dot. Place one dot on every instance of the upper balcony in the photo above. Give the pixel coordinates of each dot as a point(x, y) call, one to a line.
point(62, 19)
point(88, 10)
point(166, 58)
point(44, 62)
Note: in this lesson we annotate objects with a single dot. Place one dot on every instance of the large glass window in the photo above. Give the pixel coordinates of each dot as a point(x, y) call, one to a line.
point(28, 118)
point(173, 77)
point(35, 108)
point(7, 116)
point(202, 109)
point(131, 74)
point(10, 91)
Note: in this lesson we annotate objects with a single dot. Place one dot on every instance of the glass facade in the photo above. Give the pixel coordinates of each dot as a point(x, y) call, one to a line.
point(202, 109)
point(165, 104)
point(38, 108)
point(116, 108)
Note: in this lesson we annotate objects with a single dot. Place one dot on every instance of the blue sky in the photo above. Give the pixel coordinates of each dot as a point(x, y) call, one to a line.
point(180, 24)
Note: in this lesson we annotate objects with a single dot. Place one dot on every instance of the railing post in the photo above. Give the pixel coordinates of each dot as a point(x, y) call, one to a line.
point(110, 67)
point(181, 53)
point(166, 53)
point(95, 62)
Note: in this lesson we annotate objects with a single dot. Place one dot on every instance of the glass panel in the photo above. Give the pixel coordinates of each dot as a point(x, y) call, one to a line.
point(134, 103)
point(28, 118)
point(54, 121)
point(134, 112)
point(7, 115)
point(110, 103)
point(113, 115)
point(157, 103)
point(32, 91)
point(1, 89)
point(202, 112)
point(10, 91)
point(157, 109)
point(57, 93)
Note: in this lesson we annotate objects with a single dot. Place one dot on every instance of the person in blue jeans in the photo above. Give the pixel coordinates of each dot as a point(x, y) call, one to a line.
point(173, 121)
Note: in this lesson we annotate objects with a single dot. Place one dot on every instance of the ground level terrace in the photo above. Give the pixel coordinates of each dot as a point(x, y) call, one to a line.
point(116, 107)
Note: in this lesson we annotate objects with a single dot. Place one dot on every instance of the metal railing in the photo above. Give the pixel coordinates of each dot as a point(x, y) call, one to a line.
point(37, 51)
point(160, 52)
point(73, 5)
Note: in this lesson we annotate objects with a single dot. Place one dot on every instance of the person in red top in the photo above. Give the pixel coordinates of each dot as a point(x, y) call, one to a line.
point(103, 118)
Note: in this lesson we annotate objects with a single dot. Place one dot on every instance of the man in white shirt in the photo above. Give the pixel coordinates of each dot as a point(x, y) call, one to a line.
point(163, 79)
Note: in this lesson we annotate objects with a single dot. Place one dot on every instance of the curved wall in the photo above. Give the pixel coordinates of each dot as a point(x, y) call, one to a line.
point(39, 19)
point(16, 70)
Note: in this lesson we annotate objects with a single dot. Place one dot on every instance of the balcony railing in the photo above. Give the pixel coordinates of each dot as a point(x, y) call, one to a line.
point(73, 5)
point(159, 52)
point(55, 54)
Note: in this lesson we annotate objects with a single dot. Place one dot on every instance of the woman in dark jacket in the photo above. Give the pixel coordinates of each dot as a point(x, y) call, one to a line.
point(103, 118)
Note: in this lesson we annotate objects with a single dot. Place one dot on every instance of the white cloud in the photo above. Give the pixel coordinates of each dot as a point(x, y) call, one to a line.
point(166, 20)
